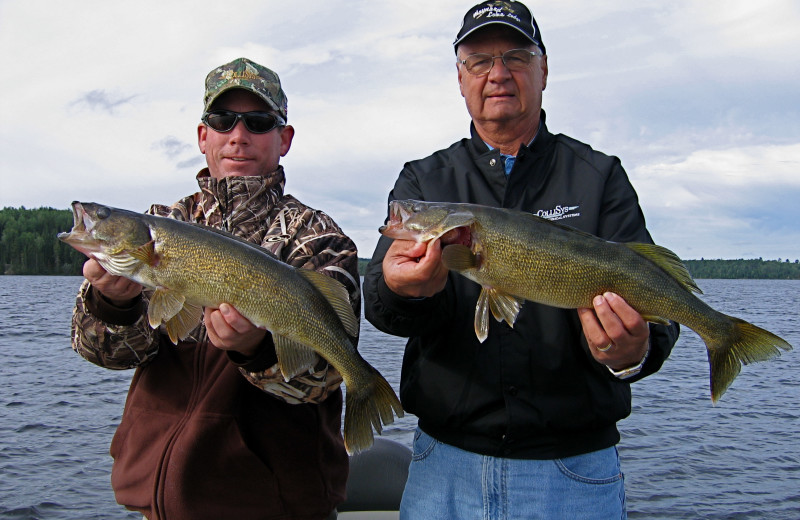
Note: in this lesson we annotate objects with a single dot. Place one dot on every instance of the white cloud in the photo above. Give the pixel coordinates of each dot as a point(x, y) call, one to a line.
point(730, 203)
point(101, 101)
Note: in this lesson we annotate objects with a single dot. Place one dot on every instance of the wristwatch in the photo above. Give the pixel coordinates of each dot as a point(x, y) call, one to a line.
point(626, 373)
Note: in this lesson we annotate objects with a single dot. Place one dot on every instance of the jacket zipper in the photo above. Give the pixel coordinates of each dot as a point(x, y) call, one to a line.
point(158, 488)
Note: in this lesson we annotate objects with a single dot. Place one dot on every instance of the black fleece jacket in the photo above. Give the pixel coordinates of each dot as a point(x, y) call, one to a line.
point(532, 391)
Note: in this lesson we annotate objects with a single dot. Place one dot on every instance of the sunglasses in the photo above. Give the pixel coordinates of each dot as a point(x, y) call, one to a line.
point(256, 122)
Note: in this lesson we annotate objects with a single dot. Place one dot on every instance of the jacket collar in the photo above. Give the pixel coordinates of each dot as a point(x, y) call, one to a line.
point(234, 197)
point(539, 144)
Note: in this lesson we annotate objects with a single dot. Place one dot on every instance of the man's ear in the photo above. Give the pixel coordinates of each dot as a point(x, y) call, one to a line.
point(202, 132)
point(287, 134)
point(460, 85)
point(544, 71)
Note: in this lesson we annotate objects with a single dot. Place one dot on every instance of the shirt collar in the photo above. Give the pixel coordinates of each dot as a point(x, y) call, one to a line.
point(508, 160)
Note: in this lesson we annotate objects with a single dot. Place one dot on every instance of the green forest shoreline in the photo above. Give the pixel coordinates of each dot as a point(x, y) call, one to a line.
point(28, 246)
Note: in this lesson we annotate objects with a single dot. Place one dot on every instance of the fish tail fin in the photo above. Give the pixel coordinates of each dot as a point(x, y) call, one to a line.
point(744, 344)
point(372, 405)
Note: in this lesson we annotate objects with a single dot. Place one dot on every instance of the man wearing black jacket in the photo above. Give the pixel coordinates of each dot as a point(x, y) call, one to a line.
point(524, 424)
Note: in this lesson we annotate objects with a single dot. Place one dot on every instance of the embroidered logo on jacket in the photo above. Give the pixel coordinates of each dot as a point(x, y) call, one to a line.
point(559, 212)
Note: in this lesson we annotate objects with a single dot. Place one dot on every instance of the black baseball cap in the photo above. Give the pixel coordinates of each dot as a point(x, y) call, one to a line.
point(509, 13)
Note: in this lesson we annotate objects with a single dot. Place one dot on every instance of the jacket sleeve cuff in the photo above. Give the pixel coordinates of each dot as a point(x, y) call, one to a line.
point(107, 312)
point(264, 359)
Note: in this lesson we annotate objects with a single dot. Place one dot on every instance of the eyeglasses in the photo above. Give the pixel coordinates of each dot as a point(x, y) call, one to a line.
point(256, 122)
point(515, 59)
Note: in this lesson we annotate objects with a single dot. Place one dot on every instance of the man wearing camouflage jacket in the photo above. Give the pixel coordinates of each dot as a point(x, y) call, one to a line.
point(210, 428)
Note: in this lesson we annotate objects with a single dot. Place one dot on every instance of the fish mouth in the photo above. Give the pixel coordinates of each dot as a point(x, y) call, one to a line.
point(398, 216)
point(78, 217)
point(395, 221)
point(78, 224)
point(80, 236)
point(404, 223)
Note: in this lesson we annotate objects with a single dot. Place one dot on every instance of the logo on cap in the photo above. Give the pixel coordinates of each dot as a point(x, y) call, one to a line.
point(248, 75)
point(511, 14)
point(239, 74)
point(497, 10)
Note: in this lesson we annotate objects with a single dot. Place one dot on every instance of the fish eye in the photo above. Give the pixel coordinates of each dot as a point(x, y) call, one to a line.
point(103, 212)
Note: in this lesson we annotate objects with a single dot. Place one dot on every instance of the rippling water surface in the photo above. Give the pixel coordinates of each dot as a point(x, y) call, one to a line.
point(683, 458)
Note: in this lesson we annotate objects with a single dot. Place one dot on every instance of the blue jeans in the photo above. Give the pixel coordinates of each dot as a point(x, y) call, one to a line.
point(447, 483)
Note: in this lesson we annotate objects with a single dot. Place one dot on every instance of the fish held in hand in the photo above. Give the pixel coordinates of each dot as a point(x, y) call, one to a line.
point(517, 256)
point(189, 266)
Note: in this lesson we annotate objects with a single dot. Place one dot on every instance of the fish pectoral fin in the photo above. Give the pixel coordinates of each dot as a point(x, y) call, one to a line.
point(482, 316)
point(293, 357)
point(180, 325)
point(655, 319)
point(458, 257)
point(164, 304)
point(668, 261)
point(504, 306)
point(146, 253)
point(336, 294)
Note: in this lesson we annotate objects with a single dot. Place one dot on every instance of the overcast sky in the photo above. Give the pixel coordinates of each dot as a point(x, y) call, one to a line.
point(700, 100)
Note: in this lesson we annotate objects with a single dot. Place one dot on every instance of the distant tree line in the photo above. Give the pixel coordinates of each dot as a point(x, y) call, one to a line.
point(761, 269)
point(28, 245)
point(755, 269)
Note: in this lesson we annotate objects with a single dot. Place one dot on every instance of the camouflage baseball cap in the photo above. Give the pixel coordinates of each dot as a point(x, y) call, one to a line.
point(248, 75)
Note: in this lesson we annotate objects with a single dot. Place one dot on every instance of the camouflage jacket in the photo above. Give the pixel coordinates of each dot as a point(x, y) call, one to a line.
point(253, 208)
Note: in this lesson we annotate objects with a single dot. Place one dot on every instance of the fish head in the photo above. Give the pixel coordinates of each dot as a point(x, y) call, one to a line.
point(423, 221)
point(104, 233)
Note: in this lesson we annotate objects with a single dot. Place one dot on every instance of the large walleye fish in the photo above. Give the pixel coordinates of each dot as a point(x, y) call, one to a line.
point(518, 256)
point(191, 266)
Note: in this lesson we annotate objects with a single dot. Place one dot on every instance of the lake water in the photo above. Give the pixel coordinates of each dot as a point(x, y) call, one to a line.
point(682, 457)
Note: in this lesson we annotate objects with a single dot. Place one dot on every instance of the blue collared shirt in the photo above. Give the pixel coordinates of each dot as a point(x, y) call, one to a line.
point(508, 160)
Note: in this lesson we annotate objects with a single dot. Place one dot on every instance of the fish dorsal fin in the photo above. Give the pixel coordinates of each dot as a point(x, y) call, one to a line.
point(458, 257)
point(180, 325)
point(293, 357)
point(336, 294)
point(668, 261)
point(164, 304)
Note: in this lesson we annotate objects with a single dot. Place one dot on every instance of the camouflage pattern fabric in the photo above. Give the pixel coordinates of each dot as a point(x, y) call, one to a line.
point(255, 209)
point(249, 75)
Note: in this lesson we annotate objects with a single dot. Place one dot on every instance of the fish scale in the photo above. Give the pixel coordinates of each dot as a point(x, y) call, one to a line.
point(516, 256)
point(189, 267)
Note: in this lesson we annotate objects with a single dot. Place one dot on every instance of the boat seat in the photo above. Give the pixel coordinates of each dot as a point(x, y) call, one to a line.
point(376, 481)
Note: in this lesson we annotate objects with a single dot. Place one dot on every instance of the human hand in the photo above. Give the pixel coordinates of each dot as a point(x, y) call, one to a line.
point(118, 290)
point(229, 330)
point(612, 322)
point(414, 270)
